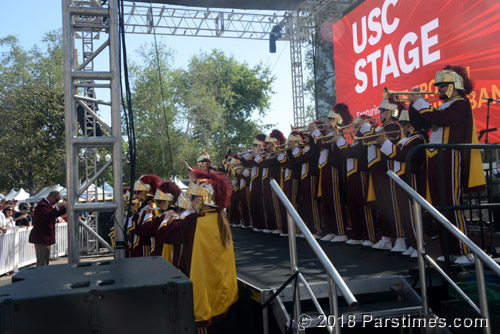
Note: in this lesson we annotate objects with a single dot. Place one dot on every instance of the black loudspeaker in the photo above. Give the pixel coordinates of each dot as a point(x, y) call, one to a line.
point(136, 295)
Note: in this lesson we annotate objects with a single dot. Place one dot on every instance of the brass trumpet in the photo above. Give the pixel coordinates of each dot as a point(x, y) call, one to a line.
point(327, 138)
point(306, 128)
point(395, 94)
point(375, 135)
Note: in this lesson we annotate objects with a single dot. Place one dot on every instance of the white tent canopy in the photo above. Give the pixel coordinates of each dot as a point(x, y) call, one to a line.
point(11, 194)
point(179, 183)
point(21, 195)
point(2, 196)
point(44, 192)
point(90, 193)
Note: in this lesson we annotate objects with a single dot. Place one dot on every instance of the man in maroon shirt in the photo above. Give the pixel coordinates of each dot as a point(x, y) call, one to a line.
point(43, 234)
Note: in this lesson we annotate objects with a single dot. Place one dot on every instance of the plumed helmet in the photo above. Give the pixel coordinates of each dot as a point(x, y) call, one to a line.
point(147, 183)
point(296, 135)
point(167, 191)
point(393, 108)
point(217, 181)
point(203, 157)
point(343, 111)
point(449, 76)
point(277, 136)
point(259, 139)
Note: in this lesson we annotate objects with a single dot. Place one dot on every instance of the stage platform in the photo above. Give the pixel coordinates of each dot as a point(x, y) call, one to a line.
point(263, 260)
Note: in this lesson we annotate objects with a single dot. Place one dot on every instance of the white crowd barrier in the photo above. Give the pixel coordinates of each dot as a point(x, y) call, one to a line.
point(16, 252)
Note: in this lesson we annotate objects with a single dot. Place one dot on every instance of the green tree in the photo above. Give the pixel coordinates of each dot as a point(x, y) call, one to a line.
point(31, 114)
point(218, 96)
point(154, 116)
point(207, 106)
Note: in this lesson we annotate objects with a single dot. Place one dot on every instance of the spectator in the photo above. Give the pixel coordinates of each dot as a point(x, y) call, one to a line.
point(43, 234)
point(3, 202)
point(6, 221)
point(23, 217)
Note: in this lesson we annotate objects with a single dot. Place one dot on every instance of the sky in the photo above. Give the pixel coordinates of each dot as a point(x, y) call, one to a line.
point(30, 23)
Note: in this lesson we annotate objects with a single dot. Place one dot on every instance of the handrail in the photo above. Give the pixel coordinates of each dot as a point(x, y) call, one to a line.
point(480, 256)
point(446, 223)
point(419, 147)
point(334, 278)
point(313, 298)
point(322, 257)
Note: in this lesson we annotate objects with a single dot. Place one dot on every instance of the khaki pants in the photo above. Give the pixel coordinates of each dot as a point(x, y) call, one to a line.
point(42, 252)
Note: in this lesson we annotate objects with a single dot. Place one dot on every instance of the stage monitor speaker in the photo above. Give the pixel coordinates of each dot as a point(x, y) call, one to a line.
point(137, 295)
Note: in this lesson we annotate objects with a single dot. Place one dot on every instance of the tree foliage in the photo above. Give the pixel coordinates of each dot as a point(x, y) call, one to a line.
point(207, 106)
point(31, 114)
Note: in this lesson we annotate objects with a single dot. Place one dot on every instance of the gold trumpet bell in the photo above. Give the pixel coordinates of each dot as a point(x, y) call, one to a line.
point(396, 95)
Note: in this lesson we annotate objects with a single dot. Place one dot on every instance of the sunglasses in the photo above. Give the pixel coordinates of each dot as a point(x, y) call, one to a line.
point(442, 85)
point(9, 210)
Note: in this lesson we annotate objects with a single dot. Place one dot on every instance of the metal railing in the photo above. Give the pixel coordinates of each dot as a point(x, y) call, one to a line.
point(480, 257)
point(479, 197)
point(16, 252)
point(335, 281)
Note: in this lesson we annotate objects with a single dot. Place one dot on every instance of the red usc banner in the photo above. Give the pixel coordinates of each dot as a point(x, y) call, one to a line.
point(402, 43)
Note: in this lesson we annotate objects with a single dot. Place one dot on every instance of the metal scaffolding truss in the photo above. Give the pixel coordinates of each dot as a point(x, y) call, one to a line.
point(185, 21)
point(87, 20)
point(172, 20)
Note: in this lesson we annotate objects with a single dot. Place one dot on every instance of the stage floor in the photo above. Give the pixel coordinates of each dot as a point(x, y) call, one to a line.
point(263, 260)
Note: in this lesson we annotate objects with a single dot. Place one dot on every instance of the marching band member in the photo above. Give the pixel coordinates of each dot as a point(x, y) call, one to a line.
point(332, 172)
point(271, 169)
point(165, 197)
point(207, 254)
point(309, 179)
point(235, 217)
point(145, 188)
point(413, 135)
point(244, 195)
point(291, 172)
point(452, 123)
point(385, 197)
point(363, 229)
point(253, 160)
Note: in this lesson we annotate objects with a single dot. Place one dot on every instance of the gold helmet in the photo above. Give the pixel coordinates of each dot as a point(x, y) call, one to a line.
point(139, 186)
point(126, 196)
point(161, 196)
point(195, 189)
point(332, 114)
point(389, 106)
point(183, 203)
point(452, 78)
point(270, 139)
point(449, 76)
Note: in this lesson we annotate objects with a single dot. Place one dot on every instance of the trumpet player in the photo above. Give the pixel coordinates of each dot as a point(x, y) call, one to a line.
point(271, 169)
point(415, 133)
point(355, 154)
point(309, 178)
point(332, 176)
point(452, 123)
point(253, 160)
point(291, 171)
point(382, 192)
point(145, 187)
point(165, 197)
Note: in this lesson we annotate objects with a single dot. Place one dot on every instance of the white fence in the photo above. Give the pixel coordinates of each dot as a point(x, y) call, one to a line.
point(17, 252)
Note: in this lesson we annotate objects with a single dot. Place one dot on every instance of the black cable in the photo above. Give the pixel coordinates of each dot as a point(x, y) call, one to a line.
point(162, 93)
point(129, 119)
